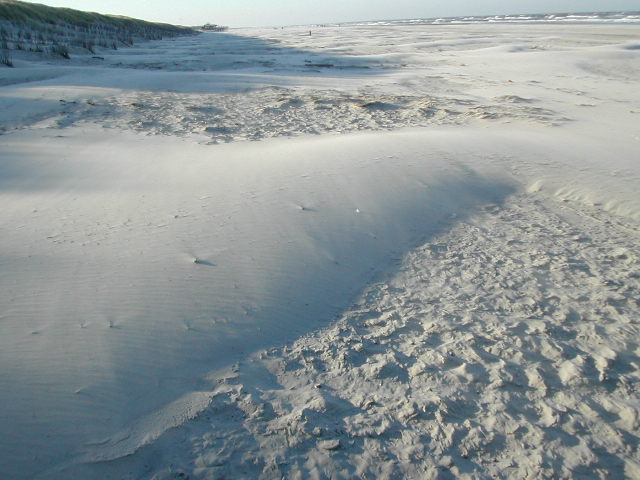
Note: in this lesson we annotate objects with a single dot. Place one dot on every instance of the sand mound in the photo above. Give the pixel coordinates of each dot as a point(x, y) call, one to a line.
point(454, 299)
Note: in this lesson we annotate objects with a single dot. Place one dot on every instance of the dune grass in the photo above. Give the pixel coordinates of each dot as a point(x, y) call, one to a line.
point(32, 13)
point(58, 31)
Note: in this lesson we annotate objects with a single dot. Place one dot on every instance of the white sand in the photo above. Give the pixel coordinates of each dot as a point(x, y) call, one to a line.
point(457, 298)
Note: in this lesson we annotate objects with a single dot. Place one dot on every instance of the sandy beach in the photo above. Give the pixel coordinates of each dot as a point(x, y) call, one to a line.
point(348, 251)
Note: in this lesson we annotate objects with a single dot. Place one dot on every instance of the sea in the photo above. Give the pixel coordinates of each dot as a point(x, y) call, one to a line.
point(565, 18)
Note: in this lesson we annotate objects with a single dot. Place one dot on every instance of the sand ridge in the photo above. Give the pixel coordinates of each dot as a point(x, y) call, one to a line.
point(431, 273)
point(504, 348)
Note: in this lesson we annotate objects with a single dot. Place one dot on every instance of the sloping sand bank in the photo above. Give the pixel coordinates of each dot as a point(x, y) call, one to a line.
point(456, 298)
point(150, 264)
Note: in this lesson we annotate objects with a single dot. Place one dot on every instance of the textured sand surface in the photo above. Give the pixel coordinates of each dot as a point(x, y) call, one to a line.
point(372, 252)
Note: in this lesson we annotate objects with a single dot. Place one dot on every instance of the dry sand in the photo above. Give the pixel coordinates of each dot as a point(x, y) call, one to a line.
point(432, 272)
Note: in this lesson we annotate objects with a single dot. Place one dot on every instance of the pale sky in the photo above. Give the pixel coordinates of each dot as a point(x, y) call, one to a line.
point(246, 13)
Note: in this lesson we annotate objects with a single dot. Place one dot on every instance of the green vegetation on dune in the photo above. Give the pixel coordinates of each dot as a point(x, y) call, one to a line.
point(30, 13)
point(43, 29)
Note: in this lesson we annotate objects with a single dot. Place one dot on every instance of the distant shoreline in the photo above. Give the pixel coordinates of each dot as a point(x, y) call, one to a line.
point(622, 18)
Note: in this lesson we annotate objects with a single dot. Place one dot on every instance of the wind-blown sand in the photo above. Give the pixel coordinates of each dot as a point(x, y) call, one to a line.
point(372, 252)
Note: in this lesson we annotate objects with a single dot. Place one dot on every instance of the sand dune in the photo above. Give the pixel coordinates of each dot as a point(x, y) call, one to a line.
point(375, 252)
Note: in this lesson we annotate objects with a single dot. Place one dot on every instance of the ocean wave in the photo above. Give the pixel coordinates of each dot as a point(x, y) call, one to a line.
point(591, 17)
